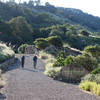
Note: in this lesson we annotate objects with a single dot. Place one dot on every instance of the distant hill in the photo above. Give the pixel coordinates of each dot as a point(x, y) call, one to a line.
point(49, 15)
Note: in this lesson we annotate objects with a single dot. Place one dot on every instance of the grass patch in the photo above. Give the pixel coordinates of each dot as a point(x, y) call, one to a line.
point(91, 87)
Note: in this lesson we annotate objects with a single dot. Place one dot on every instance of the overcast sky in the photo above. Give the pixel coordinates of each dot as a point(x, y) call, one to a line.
point(89, 6)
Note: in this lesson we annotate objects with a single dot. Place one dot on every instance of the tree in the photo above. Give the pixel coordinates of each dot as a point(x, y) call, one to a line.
point(21, 29)
point(41, 43)
point(55, 40)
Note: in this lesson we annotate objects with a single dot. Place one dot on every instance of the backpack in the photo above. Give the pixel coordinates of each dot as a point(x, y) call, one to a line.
point(35, 58)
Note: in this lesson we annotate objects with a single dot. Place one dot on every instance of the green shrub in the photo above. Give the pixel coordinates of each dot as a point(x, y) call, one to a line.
point(88, 62)
point(21, 49)
point(41, 43)
point(55, 40)
point(60, 59)
point(96, 71)
point(93, 50)
point(69, 60)
point(92, 78)
point(91, 86)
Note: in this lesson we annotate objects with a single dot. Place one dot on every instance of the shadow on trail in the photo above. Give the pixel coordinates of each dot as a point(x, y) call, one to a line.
point(14, 66)
point(2, 96)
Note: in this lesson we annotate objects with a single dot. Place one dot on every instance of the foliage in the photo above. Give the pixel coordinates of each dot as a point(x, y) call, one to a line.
point(69, 60)
point(92, 78)
point(96, 71)
point(41, 43)
point(5, 52)
point(59, 60)
point(91, 87)
point(93, 50)
point(21, 29)
point(88, 62)
point(55, 40)
point(52, 71)
point(21, 49)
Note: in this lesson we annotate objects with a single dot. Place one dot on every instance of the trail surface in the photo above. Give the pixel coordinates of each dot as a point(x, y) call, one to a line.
point(27, 84)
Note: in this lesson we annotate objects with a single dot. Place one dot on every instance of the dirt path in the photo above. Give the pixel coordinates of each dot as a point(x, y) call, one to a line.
point(27, 84)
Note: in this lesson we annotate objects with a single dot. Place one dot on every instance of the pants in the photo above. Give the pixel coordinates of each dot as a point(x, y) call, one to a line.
point(35, 63)
point(22, 63)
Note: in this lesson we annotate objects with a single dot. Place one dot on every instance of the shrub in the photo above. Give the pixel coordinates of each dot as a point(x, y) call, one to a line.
point(41, 43)
point(55, 40)
point(93, 50)
point(21, 49)
point(52, 71)
point(92, 78)
point(60, 59)
point(69, 60)
point(5, 52)
point(91, 86)
point(96, 71)
point(88, 62)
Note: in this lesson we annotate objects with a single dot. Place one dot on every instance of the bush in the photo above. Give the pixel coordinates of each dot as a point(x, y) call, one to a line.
point(88, 62)
point(96, 71)
point(91, 86)
point(92, 78)
point(69, 60)
point(93, 50)
point(21, 49)
point(55, 40)
point(41, 43)
point(5, 52)
point(52, 71)
point(60, 59)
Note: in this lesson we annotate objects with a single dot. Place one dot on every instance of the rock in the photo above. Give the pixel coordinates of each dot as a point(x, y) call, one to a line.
point(30, 49)
point(73, 73)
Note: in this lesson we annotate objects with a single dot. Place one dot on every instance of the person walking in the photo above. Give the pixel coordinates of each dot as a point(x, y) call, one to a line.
point(35, 61)
point(23, 61)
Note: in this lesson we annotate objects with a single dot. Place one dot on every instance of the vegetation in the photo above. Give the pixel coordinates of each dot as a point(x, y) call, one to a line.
point(59, 60)
point(96, 70)
point(91, 87)
point(41, 43)
point(21, 49)
point(92, 78)
point(55, 40)
point(45, 26)
point(5, 52)
point(94, 51)
point(27, 22)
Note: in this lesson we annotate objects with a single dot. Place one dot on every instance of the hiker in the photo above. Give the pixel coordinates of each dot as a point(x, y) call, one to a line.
point(23, 61)
point(35, 61)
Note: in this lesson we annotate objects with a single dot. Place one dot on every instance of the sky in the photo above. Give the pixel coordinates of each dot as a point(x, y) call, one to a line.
point(88, 6)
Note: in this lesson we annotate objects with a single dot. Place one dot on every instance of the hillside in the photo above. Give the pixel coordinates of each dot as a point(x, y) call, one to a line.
point(49, 14)
point(23, 23)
